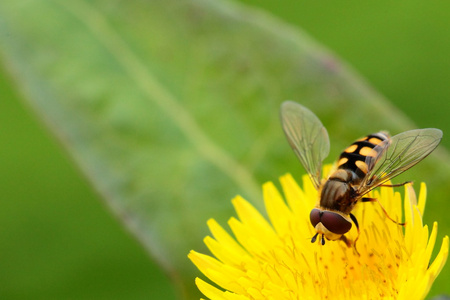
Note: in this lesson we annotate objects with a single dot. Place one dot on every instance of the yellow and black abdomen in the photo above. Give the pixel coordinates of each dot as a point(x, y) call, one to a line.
point(353, 158)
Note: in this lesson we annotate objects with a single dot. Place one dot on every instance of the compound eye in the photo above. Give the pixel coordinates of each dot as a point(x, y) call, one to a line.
point(335, 222)
point(314, 216)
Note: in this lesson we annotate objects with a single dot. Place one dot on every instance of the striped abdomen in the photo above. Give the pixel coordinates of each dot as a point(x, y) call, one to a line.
point(353, 158)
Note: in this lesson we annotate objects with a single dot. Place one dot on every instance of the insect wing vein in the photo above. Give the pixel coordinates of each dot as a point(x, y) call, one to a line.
point(397, 155)
point(307, 137)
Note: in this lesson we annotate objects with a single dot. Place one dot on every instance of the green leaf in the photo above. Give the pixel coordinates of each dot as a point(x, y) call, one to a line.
point(170, 107)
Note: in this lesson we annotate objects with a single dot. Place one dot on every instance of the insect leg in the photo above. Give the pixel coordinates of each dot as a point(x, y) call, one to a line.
point(396, 185)
point(346, 241)
point(352, 216)
point(384, 210)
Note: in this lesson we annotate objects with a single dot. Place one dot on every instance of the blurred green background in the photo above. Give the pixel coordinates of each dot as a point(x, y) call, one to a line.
point(58, 240)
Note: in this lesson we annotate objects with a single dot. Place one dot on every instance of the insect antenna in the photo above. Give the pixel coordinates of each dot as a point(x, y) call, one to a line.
point(314, 238)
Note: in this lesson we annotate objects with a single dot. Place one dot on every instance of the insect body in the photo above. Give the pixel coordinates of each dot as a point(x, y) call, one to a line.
point(363, 166)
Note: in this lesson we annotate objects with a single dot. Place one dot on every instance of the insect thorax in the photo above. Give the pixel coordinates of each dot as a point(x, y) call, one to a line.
point(337, 192)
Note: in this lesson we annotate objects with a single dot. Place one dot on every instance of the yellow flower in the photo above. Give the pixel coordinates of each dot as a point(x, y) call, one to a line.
point(276, 260)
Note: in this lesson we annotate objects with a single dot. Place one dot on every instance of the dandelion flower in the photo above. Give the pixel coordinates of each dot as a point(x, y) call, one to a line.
point(276, 260)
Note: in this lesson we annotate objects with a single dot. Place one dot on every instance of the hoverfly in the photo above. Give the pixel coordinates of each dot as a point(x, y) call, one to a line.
point(366, 164)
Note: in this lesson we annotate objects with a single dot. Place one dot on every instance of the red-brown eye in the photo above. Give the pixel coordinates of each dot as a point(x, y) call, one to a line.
point(335, 222)
point(314, 216)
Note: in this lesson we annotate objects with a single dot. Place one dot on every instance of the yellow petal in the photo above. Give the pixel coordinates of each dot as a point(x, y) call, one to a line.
point(276, 260)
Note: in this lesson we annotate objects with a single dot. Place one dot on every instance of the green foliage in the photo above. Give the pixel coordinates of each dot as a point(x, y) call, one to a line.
point(170, 108)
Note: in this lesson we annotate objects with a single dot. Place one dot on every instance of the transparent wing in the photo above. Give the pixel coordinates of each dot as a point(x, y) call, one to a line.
point(397, 155)
point(307, 137)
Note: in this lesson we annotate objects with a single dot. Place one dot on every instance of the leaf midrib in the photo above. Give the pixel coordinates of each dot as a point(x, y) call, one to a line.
point(155, 90)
